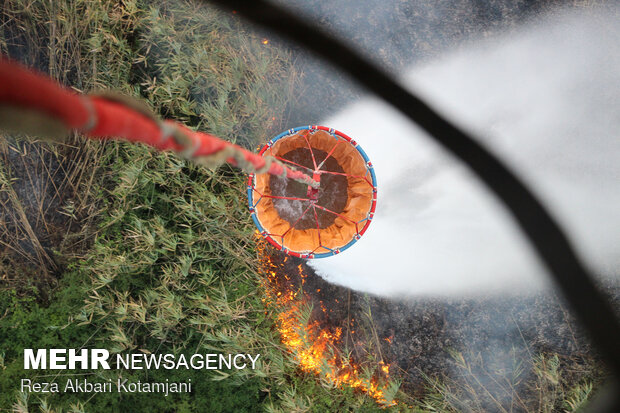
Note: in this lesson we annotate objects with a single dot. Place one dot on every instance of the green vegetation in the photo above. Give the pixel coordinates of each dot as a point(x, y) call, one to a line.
point(171, 263)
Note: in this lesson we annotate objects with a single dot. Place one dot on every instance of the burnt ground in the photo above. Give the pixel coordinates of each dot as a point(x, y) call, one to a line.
point(42, 210)
point(500, 339)
point(28, 226)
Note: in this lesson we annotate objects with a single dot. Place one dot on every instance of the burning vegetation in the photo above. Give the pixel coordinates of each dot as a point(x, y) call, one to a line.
point(317, 328)
point(487, 354)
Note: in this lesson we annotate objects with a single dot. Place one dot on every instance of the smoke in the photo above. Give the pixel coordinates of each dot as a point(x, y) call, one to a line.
point(545, 99)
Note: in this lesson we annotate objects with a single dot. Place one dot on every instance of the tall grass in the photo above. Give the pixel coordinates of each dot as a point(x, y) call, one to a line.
point(170, 265)
point(538, 383)
point(48, 209)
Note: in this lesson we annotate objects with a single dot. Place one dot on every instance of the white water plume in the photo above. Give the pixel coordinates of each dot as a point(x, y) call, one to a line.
point(546, 100)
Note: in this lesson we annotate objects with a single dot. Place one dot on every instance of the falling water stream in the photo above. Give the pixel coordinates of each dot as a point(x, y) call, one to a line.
point(546, 99)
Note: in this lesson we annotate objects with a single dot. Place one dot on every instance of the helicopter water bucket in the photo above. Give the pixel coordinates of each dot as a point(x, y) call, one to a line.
point(312, 222)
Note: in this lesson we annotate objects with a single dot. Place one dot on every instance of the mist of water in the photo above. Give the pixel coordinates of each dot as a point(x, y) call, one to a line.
point(546, 99)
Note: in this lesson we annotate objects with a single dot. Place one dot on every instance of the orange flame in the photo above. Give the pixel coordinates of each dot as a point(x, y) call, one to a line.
point(313, 345)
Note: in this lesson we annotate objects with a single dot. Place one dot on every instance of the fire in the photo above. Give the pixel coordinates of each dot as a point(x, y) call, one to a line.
point(265, 41)
point(313, 345)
